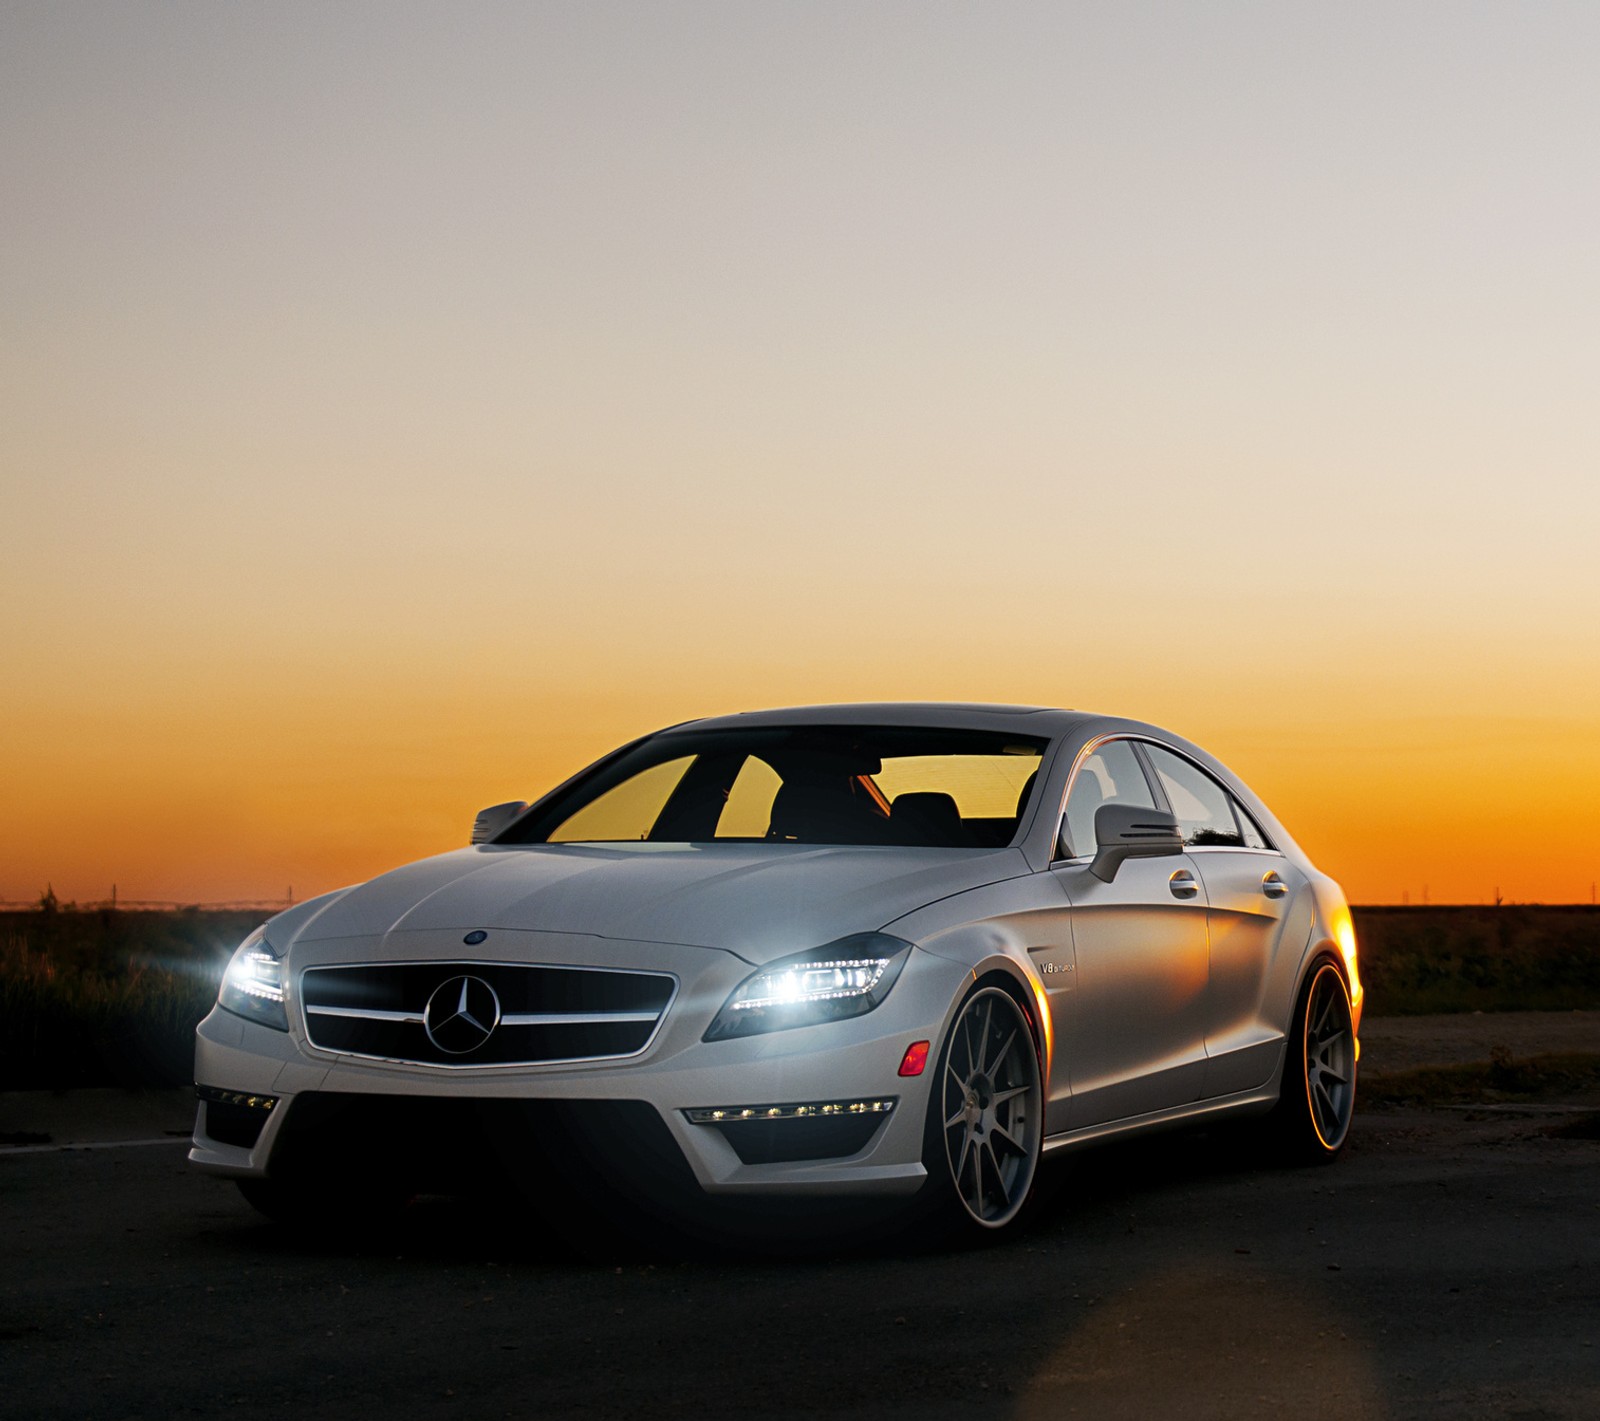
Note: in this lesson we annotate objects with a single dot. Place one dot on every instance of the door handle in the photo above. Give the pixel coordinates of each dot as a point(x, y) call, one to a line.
point(1274, 886)
point(1183, 885)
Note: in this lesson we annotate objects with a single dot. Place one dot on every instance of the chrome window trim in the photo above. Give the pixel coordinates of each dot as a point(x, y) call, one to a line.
point(574, 1018)
point(1232, 849)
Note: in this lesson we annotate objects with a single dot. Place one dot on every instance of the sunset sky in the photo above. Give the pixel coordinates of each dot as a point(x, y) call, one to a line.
point(401, 405)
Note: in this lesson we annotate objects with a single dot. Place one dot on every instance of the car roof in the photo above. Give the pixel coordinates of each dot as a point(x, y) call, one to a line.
point(1023, 720)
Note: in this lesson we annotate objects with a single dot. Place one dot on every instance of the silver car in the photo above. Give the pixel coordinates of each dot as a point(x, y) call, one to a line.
point(864, 950)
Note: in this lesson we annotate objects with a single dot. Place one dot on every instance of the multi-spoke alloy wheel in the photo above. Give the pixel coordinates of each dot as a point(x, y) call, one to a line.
point(1318, 1094)
point(1329, 1054)
point(990, 1108)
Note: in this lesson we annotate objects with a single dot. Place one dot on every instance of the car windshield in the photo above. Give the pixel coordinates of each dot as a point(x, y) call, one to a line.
point(899, 785)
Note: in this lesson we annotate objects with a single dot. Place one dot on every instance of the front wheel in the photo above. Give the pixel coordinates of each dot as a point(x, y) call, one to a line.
point(985, 1115)
point(1317, 1098)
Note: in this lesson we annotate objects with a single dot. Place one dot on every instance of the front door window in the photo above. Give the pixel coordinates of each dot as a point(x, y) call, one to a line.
point(1203, 807)
point(1110, 774)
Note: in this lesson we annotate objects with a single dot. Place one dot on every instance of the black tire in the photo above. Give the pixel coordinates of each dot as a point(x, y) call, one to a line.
point(985, 1121)
point(1316, 1099)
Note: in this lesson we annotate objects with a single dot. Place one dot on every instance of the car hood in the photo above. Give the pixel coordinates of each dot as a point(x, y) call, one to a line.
point(760, 901)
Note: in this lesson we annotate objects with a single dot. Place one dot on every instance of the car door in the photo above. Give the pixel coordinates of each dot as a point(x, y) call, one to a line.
point(1257, 903)
point(1132, 1029)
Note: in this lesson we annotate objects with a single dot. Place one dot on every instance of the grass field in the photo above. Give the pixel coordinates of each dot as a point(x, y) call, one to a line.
point(105, 997)
point(1520, 957)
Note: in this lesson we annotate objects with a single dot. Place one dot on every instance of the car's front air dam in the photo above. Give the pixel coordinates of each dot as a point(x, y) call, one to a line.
point(817, 1072)
point(549, 1151)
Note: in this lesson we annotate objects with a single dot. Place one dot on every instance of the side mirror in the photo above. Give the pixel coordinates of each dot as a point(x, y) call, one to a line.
point(1124, 831)
point(496, 817)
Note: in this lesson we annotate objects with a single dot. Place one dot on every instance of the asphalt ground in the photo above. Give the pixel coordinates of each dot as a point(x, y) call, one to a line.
point(1447, 1265)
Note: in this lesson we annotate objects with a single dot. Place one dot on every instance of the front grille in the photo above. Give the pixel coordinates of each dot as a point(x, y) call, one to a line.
point(535, 1016)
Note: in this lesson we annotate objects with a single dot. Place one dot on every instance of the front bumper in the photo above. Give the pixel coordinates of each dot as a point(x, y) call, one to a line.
point(841, 1063)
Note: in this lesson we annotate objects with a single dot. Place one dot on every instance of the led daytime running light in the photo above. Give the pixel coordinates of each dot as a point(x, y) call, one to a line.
point(735, 1114)
point(217, 1096)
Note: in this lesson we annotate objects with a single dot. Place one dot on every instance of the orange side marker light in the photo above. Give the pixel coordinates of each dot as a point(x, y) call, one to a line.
point(916, 1057)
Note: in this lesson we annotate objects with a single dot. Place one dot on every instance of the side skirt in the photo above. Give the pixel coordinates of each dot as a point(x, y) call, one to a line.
point(1251, 1102)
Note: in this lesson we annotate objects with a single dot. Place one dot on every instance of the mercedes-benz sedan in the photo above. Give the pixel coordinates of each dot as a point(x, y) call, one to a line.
point(892, 950)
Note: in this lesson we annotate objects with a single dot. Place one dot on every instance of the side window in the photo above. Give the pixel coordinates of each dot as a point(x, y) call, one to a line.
point(1111, 775)
point(1203, 807)
point(1253, 837)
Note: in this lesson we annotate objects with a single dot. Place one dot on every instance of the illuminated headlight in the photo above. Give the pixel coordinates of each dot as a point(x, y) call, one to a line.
point(253, 984)
point(844, 979)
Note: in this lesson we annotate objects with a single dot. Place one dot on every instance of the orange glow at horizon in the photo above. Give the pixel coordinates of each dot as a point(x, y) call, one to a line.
point(243, 794)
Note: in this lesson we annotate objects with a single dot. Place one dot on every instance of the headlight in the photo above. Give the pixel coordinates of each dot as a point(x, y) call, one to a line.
point(253, 984)
point(844, 979)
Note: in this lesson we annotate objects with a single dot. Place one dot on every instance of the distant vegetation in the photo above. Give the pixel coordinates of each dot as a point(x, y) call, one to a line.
point(1512, 958)
point(108, 997)
point(104, 997)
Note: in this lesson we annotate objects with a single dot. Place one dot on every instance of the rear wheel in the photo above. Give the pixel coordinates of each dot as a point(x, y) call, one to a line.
point(1317, 1098)
point(985, 1116)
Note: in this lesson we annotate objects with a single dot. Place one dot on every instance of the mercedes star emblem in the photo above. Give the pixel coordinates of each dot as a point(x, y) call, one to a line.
point(461, 1015)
